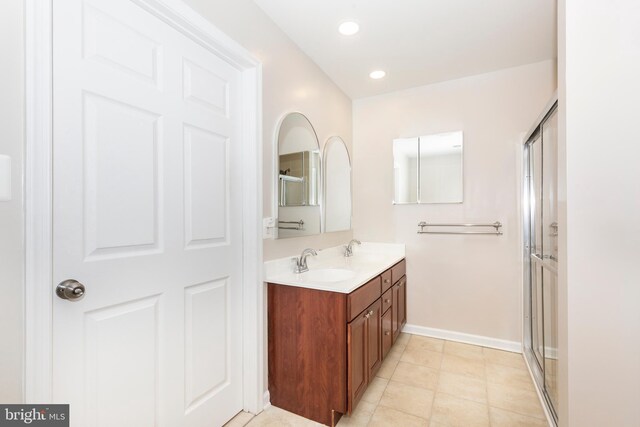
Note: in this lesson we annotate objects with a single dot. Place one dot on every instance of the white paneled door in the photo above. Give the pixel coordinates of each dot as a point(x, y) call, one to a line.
point(147, 217)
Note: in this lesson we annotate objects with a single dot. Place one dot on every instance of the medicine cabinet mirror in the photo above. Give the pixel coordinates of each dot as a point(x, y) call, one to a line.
point(428, 169)
point(299, 178)
point(337, 185)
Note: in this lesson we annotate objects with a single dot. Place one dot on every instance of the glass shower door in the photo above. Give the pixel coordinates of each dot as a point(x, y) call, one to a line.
point(541, 257)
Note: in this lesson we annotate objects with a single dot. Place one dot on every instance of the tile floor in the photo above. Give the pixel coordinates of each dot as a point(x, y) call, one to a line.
point(435, 383)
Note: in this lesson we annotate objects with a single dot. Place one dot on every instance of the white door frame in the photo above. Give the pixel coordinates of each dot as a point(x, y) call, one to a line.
point(38, 367)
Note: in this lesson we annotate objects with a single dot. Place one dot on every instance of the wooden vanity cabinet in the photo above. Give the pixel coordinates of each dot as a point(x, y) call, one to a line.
point(307, 351)
point(326, 347)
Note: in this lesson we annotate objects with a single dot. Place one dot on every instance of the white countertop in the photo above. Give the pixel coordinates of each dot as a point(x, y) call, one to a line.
point(367, 262)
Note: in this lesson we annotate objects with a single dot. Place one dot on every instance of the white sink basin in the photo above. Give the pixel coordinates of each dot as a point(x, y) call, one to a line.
point(328, 275)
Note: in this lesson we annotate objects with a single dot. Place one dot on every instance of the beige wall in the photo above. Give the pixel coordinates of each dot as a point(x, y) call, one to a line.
point(469, 284)
point(11, 222)
point(291, 82)
point(599, 89)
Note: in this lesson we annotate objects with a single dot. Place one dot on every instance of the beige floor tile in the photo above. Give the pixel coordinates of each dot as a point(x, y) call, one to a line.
point(506, 358)
point(423, 357)
point(240, 420)
point(402, 340)
point(375, 390)
point(502, 418)
point(276, 417)
point(416, 375)
point(455, 412)
point(388, 417)
point(408, 399)
point(521, 400)
point(501, 374)
point(463, 350)
point(426, 343)
point(395, 352)
point(387, 368)
point(463, 366)
point(360, 416)
point(463, 387)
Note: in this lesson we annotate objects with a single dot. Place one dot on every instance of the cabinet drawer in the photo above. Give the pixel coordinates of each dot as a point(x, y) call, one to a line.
point(387, 299)
point(386, 280)
point(398, 270)
point(363, 297)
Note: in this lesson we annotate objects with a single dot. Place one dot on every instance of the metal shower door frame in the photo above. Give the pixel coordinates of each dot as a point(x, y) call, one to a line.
point(536, 368)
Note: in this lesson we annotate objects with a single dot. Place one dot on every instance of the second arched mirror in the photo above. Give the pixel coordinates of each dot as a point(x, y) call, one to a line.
point(298, 177)
point(337, 185)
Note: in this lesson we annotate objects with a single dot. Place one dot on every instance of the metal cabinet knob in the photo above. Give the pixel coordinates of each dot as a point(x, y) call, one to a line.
point(71, 290)
point(387, 333)
point(387, 301)
point(386, 280)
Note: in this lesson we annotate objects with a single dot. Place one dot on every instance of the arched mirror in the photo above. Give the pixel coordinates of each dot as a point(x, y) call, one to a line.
point(337, 185)
point(299, 177)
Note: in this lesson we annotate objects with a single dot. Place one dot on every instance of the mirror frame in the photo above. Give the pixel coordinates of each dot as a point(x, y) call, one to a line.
point(334, 139)
point(275, 167)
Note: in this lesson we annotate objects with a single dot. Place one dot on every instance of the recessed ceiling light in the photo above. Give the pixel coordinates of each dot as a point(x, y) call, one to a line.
point(349, 28)
point(378, 74)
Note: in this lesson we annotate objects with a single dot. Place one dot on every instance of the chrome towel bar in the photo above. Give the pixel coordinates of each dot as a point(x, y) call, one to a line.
point(299, 225)
point(496, 225)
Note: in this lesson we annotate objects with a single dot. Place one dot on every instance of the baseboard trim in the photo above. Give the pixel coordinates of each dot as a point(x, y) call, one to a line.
point(266, 400)
point(512, 346)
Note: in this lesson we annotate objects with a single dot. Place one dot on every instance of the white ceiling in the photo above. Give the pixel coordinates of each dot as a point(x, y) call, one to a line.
point(417, 42)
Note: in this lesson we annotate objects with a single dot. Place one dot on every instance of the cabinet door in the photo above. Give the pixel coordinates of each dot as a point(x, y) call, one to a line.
point(357, 359)
point(395, 325)
point(387, 333)
point(402, 303)
point(374, 338)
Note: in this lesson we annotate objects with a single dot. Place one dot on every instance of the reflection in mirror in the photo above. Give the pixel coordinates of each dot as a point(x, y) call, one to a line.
point(437, 177)
point(405, 170)
point(299, 178)
point(298, 174)
point(441, 168)
point(337, 186)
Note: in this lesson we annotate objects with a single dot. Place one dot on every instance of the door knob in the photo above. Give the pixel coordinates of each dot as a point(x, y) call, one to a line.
point(71, 290)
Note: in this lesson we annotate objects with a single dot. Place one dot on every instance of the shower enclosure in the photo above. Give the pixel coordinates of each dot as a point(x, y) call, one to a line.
point(540, 199)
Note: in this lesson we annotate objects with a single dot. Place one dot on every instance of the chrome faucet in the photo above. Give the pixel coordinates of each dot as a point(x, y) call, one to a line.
point(301, 263)
point(348, 250)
